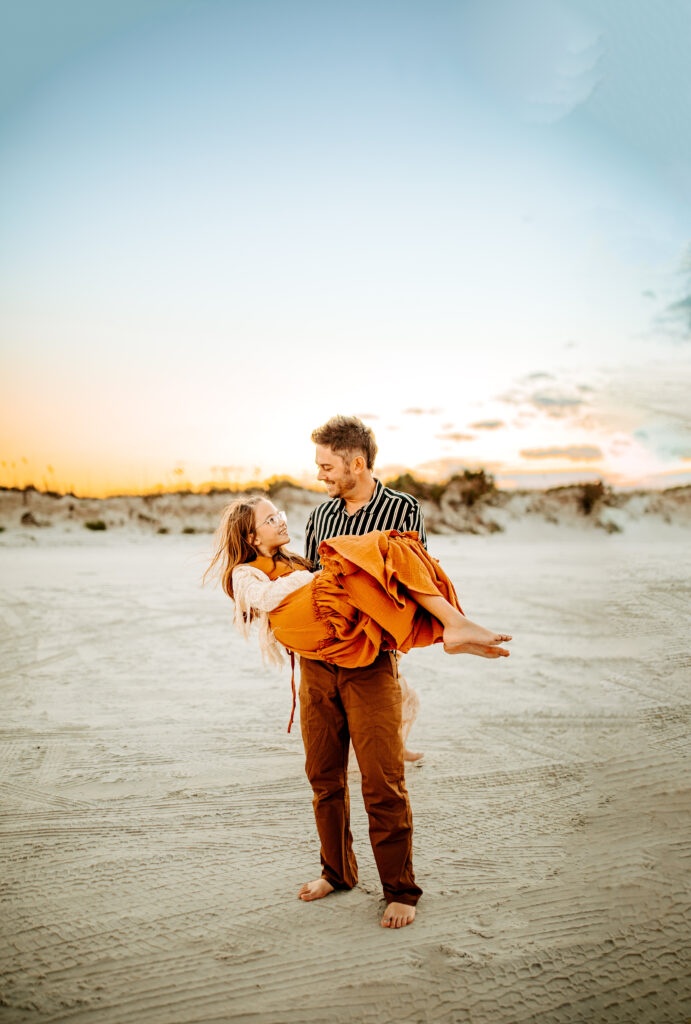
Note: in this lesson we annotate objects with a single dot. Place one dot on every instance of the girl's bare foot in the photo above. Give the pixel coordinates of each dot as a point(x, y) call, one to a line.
point(464, 631)
point(398, 915)
point(481, 650)
point(467, 637)
point(315, 890)
point(410, 755)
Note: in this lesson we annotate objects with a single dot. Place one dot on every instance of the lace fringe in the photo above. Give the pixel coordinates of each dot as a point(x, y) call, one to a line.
point(272, 652)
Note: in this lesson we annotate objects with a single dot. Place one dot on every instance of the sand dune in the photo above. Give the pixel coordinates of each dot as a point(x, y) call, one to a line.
point(156, 821)
point(34, 515)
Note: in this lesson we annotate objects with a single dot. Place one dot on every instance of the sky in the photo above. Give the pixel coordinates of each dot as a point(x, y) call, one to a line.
point(222, 222)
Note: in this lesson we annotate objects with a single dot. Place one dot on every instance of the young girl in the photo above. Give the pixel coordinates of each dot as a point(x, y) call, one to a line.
point(378, 591)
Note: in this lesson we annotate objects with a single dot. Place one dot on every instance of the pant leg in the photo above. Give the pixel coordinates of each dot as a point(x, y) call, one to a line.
point(326, 738)
point(372, 700)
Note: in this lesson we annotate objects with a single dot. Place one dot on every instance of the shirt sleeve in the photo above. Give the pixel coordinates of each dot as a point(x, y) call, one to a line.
point(311, 542)
point(254, 589)
point(417, 522)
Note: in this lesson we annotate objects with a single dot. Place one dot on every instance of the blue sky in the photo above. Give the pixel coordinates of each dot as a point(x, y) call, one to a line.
point(223, 222)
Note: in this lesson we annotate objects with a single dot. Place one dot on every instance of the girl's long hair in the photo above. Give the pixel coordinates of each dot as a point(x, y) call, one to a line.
point(234, 545)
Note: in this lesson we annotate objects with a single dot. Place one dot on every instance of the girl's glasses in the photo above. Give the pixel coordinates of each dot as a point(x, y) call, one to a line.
point(276, 519)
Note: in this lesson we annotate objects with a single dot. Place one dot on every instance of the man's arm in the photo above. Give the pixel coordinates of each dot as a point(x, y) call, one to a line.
point(417, 522)
point(310, 542)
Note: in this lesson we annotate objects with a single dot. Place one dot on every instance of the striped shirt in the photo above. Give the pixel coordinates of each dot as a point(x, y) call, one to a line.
point(386, 510)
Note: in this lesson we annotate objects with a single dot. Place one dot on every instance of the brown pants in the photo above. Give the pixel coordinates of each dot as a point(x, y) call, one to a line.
point(337, 704)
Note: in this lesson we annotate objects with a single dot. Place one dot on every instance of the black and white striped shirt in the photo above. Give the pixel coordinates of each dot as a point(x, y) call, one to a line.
point(386, 510)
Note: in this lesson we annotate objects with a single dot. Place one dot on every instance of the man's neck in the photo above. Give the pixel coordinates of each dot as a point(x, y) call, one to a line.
point(360, 496)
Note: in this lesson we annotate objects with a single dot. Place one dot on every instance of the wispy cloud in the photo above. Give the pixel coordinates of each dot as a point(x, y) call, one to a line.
point(679, 314)
point(555, 405)
point(455, 436)
point(487, 425)
point(415, 411)
point(445, 467)
point(575, 452)
point(676, 316)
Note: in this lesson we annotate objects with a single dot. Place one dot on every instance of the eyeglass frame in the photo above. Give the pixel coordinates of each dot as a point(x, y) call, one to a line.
point(279, 515)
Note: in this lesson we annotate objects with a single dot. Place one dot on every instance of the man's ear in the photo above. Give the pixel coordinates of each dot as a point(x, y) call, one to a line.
point(358, 464)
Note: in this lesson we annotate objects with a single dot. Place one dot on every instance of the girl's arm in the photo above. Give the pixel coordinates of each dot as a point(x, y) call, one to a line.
point(252, 588)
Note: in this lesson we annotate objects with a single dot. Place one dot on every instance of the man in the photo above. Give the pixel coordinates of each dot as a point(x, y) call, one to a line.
point(337, 704)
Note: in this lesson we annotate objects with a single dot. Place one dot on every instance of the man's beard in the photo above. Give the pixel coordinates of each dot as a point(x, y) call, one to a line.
point(345, 485)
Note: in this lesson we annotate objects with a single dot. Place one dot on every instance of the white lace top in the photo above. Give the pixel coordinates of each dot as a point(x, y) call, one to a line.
point(254, 591)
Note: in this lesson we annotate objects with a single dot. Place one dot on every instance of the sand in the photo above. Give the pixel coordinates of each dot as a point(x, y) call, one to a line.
point(156, 821)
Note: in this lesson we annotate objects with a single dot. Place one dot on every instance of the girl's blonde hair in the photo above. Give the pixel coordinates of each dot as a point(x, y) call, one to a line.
point(234, 543)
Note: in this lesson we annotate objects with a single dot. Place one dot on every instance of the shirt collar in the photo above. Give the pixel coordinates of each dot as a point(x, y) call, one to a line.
point(378, 488)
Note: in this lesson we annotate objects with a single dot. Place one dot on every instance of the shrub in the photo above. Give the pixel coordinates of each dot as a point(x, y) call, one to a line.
point(95, 524)
point(473, 484)
point(590, 495)
point(188, 529)
point(162, 529)
point(276, 483)
point(420, 489)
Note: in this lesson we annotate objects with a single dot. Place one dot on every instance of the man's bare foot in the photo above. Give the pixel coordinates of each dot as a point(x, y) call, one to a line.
point(315, 890)
point(411, 755)
point(398, 915)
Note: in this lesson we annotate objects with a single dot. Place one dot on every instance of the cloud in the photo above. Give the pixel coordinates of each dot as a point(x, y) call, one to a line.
point(676, 316)
point(367, 415)
point(455, 436)
point(540, 375)
point(555, 405)
point(487, 425)
point(555, 401)
point(679, 314)
point(557, 396)
point(441, 468)
point(575, 452)
point(415, 411)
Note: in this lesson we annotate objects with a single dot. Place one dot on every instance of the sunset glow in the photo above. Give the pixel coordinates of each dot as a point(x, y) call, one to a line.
point(225, 222)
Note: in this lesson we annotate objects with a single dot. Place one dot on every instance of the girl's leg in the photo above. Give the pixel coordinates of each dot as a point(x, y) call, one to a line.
point(461, 636)
point(409, 710)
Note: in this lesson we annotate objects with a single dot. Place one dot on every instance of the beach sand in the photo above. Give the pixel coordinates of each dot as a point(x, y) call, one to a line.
point(157, 823)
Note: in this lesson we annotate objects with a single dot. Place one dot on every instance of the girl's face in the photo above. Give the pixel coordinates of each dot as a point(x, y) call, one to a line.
point(270, 529)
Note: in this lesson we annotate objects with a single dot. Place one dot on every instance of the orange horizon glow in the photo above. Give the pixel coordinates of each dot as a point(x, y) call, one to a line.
point(507, 478)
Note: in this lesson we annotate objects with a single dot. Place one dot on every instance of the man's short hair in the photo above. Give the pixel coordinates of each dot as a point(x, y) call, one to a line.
point(347, 436)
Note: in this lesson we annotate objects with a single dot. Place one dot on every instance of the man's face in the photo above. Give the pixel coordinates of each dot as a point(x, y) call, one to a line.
point(334, 471)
